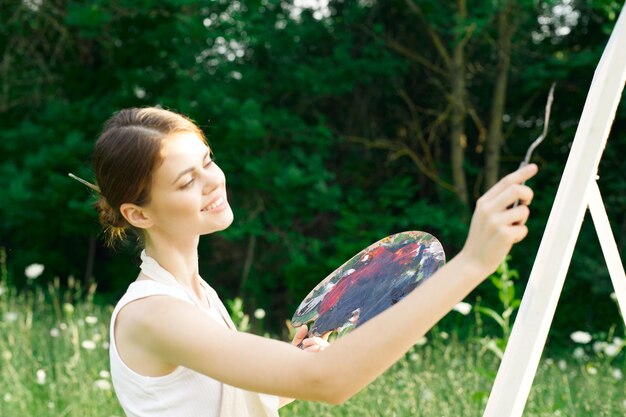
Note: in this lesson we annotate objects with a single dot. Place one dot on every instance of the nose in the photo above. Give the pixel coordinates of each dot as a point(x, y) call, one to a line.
point(213, 178)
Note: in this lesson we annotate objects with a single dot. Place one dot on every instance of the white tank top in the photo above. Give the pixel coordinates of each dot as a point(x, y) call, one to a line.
point(183, 392)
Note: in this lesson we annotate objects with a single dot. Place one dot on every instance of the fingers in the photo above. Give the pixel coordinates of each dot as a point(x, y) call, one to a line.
point(518, 233)
point(516, 177)
point(314, 348)
point(509, 190)
point(511, 194)
point(513, 217)
point(315, 340)
point(314, 344)
point(300, 335)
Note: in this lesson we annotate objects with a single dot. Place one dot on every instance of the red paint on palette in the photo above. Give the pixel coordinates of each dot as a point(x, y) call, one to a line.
point(370, 282)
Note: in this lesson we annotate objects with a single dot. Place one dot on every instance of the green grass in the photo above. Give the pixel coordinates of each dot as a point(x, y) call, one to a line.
point(452, 378)
point(49, 330)
point(43, 332)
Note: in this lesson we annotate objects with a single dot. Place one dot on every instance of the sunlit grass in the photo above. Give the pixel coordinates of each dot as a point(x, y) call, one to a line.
point(453, 378)
point(54, 357)
point(54, 362)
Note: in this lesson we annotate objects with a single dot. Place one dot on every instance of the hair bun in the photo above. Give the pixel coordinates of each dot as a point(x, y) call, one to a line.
point(112, 220)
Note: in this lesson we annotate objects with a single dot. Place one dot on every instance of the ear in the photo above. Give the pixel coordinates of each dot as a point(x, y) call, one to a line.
point(136, 215)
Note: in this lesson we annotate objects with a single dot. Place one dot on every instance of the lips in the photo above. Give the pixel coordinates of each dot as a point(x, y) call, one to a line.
point(215, 203)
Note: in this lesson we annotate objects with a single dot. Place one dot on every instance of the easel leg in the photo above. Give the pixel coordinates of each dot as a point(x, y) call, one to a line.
point(609, 246)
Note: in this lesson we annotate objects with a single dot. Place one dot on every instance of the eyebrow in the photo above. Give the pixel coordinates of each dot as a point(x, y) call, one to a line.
point(189, 169)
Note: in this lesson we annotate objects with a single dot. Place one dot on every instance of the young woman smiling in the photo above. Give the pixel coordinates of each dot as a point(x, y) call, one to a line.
point(174, 350)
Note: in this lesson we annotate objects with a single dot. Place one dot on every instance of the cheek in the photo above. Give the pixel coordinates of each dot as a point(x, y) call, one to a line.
point(176, 205)
point(184, 202)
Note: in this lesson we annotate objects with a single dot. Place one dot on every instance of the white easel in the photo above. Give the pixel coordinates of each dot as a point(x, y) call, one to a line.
point(577, 191)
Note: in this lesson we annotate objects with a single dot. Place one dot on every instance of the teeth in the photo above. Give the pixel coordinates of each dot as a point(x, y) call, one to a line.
point(217, 203)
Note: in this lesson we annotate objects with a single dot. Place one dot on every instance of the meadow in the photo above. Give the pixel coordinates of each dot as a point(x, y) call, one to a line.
point(54, 362)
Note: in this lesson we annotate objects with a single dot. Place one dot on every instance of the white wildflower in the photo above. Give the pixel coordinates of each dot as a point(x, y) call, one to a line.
point(581, 337)
point(6, 355)
point(91, 320)
point(10, 316)
point(88, 344)
point(8, 397)
point(102, 384)
point(592, 371)
point(427, 394)
point(463, 308)
point(599, 346)
point(96, 337)
point(618, 341)
point(54, 332)
point(444, 335)
point(421, 341)
point(33, 271)
point(617, 373)
point(259, 313)
point(105, 345)
point(613, 296)
point(63, 326)
point(611, 350)
point(104, 374)
point(562, 365)
point(41, 377)
point(579, 353)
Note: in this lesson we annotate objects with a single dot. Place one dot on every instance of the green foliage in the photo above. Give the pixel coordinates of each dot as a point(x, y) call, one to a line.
point(502, 280)
point(241, 319)
point(282, 100)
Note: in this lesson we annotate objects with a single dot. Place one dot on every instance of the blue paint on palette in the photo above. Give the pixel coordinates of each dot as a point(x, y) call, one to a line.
point(370, 282)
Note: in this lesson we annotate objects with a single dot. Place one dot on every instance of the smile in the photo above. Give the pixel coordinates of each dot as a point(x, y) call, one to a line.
point(215, 204)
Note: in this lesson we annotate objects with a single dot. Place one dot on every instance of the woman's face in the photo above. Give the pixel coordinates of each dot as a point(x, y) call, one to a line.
point(188, 195)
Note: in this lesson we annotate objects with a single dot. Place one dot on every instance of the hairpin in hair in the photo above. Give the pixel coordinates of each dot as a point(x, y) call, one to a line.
point(87, 183)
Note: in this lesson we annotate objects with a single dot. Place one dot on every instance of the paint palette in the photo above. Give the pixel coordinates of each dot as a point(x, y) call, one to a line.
point(370, 282)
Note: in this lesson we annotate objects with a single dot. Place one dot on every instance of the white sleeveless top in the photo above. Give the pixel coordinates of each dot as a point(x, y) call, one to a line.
point(183, 392)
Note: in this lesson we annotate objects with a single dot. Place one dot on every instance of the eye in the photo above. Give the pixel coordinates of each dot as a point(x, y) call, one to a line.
point(210, 161)
point(187, 184)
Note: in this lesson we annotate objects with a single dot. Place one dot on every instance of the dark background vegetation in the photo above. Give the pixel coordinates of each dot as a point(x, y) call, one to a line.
point(335, 126)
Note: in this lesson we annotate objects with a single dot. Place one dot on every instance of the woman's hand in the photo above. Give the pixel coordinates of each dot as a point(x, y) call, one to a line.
point(310, 344)
point(495, 226)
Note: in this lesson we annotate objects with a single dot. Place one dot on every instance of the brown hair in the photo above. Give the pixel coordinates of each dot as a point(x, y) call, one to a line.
point(125, 156)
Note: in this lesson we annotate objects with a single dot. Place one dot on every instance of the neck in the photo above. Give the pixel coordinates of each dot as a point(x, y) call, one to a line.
point(179, 258)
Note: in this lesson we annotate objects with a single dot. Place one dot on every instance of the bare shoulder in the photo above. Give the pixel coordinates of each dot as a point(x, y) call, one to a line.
point(142, 318)
point(132, 334)
point(134, 313)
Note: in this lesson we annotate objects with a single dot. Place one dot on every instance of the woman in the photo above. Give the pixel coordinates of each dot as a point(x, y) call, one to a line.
point(156, 177)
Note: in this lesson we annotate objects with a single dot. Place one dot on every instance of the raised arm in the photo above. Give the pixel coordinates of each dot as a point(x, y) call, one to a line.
point(176, 332)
